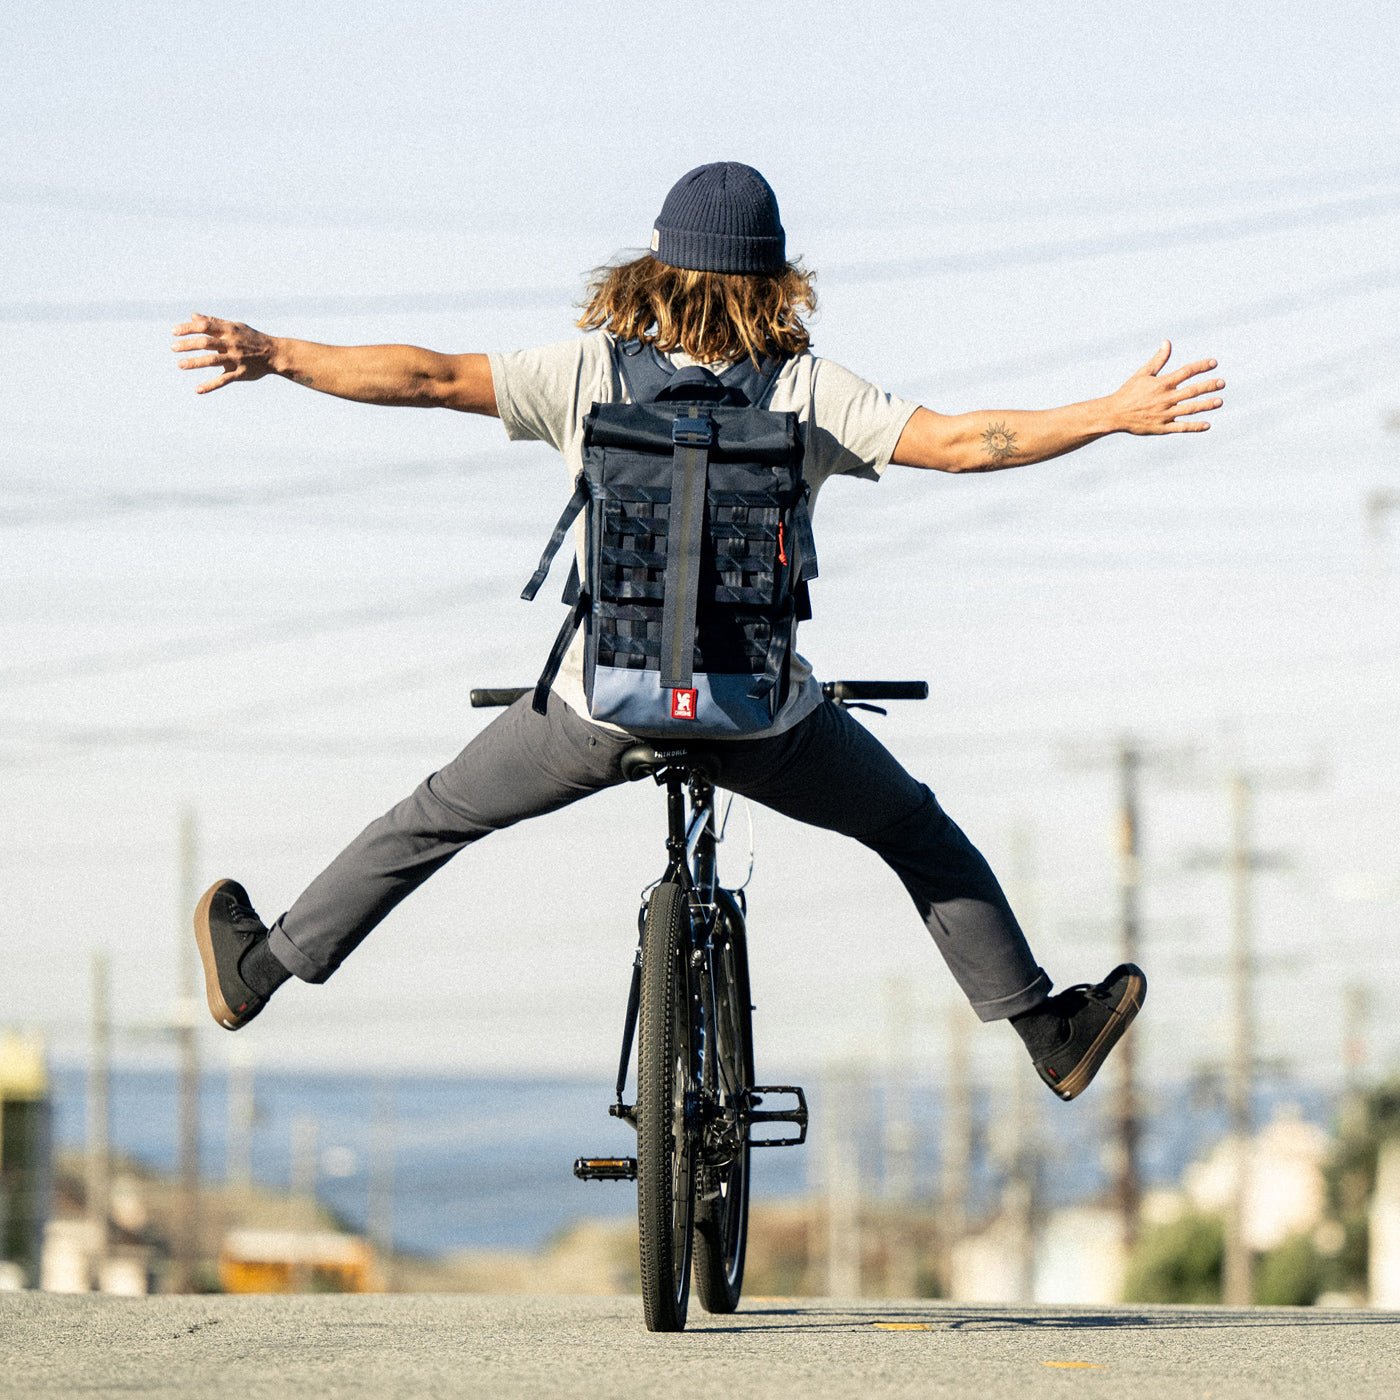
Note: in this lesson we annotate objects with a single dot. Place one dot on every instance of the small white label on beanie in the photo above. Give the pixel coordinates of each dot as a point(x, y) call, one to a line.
point(655, 239)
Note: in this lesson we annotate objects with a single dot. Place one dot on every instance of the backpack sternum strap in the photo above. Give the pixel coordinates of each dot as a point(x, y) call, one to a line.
point(693, 435)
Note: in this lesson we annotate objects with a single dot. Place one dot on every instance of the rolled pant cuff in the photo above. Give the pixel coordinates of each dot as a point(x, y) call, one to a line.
point(292, 958)
point(1002, 1007)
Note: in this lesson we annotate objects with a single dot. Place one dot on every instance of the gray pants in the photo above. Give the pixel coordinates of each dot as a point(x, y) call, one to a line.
point(827, 770)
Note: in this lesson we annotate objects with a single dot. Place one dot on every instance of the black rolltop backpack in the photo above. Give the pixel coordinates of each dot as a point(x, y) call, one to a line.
point(697, 555)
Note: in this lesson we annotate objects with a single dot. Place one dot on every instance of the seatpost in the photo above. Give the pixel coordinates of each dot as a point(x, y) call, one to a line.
point(702, 794)
point(675, 815)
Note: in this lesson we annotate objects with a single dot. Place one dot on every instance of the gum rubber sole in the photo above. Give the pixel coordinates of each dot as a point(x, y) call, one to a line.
point(221, 1011)
point(1077, 1080)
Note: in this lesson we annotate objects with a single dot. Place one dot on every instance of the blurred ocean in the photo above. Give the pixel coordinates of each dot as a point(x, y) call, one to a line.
point(484, 1162)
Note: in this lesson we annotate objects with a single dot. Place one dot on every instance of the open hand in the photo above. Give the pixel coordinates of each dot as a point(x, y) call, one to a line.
point(1151, 402)
point(238, 350)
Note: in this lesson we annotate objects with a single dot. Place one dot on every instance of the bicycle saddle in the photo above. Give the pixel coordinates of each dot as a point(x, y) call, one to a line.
point(645, 760)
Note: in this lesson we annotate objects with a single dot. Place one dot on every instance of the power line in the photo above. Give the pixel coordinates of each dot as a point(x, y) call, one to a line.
point(1261, 309)
point(1316, 215)
point(112, 504)
point(1259, 418)
point(264, 634)
point(165, 206)
point(109, 504)
point(1237, 226)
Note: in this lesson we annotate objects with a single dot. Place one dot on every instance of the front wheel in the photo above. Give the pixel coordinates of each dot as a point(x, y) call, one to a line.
point(667, 1095)
point(722, 1210)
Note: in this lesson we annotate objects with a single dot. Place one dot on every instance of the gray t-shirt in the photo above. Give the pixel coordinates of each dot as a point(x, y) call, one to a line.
point(848, 426)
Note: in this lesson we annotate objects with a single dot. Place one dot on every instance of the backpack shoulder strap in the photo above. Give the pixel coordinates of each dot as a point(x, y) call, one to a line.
point(756, 385)
point(641, 369)
point(646, 373)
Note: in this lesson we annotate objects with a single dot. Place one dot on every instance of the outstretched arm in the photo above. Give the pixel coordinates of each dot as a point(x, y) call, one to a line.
point(1147, 404)
point(387, 374)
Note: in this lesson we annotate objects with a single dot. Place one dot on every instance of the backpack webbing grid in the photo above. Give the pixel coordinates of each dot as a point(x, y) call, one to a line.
point(742, 580)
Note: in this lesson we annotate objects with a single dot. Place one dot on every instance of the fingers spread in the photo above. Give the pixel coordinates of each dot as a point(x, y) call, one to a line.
point(1180, 376)
point(1200, 405)
point(227, 377)
point(201, 362)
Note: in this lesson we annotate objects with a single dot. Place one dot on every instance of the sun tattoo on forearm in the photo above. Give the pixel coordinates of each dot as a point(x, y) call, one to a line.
point(999, 442)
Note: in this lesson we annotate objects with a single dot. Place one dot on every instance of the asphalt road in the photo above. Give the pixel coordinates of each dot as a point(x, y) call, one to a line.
point(421, 1346)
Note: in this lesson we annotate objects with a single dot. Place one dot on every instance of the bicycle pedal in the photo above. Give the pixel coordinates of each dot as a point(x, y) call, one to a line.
point(797, 1115)
point(606, 1169)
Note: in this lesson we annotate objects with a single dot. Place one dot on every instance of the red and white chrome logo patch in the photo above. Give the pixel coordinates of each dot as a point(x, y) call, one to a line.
point(683, 704)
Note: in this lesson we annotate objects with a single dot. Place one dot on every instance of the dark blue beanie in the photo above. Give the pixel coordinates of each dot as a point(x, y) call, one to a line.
point(720, 218)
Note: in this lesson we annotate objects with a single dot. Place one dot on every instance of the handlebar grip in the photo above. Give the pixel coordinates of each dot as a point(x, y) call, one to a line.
point(485, 699)
point(875, 690)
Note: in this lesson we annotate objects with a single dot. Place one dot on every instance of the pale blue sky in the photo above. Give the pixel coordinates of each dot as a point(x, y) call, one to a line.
point(272, 604)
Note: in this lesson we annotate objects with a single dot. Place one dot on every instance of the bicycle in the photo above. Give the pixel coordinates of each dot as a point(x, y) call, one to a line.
point(690, 1014)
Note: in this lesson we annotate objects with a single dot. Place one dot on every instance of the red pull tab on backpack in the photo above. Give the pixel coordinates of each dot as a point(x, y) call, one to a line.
point(782, 558)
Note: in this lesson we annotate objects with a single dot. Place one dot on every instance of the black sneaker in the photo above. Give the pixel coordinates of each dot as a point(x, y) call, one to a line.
point(225, 927)
point(1096, 1018)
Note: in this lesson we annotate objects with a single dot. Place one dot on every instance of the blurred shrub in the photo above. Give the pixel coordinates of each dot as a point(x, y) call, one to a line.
point(1177, 1263)
point(1292, 1275)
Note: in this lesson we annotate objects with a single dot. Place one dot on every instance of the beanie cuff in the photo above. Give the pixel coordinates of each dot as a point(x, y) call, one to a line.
point(699, 251)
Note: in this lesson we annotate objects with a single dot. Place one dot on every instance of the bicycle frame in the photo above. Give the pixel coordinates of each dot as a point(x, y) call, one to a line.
point(691, 864)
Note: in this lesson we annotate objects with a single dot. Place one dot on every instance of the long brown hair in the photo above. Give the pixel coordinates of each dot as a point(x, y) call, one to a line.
point(709, 315)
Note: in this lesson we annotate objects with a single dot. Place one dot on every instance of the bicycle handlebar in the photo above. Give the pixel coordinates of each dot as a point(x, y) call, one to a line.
point(875, 690)
point(485, 699)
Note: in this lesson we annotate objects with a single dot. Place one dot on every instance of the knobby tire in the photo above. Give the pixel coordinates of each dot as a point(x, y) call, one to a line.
point(666, 1148)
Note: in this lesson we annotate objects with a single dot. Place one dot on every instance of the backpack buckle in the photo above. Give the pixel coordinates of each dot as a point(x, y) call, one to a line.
point(693, 432)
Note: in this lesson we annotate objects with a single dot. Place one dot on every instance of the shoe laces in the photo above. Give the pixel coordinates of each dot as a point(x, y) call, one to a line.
point(242, 917)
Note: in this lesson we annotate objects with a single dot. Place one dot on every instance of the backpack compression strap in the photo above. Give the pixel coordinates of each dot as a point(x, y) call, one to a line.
point(573, 594)
point(693, 432)
point(780, 639)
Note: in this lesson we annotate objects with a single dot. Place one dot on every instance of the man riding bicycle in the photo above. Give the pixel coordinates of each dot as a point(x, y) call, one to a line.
point(715, 289)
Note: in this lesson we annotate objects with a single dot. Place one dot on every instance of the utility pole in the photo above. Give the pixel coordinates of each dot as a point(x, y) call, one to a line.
point(1020, 1197)
point(1127, 1185)
point(1241, 860)
point(957, 1134)
point(1239, 1260)
point(1020, 1201)
point(305, 1151)
point(1129, 758)
point(379, 1215)
point(1356, 1011)
point(99, 1151)
point(846, 1100)
point(1356, 1014)
point(238, 1155)
point(187, 1231)
point(901, 1266)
